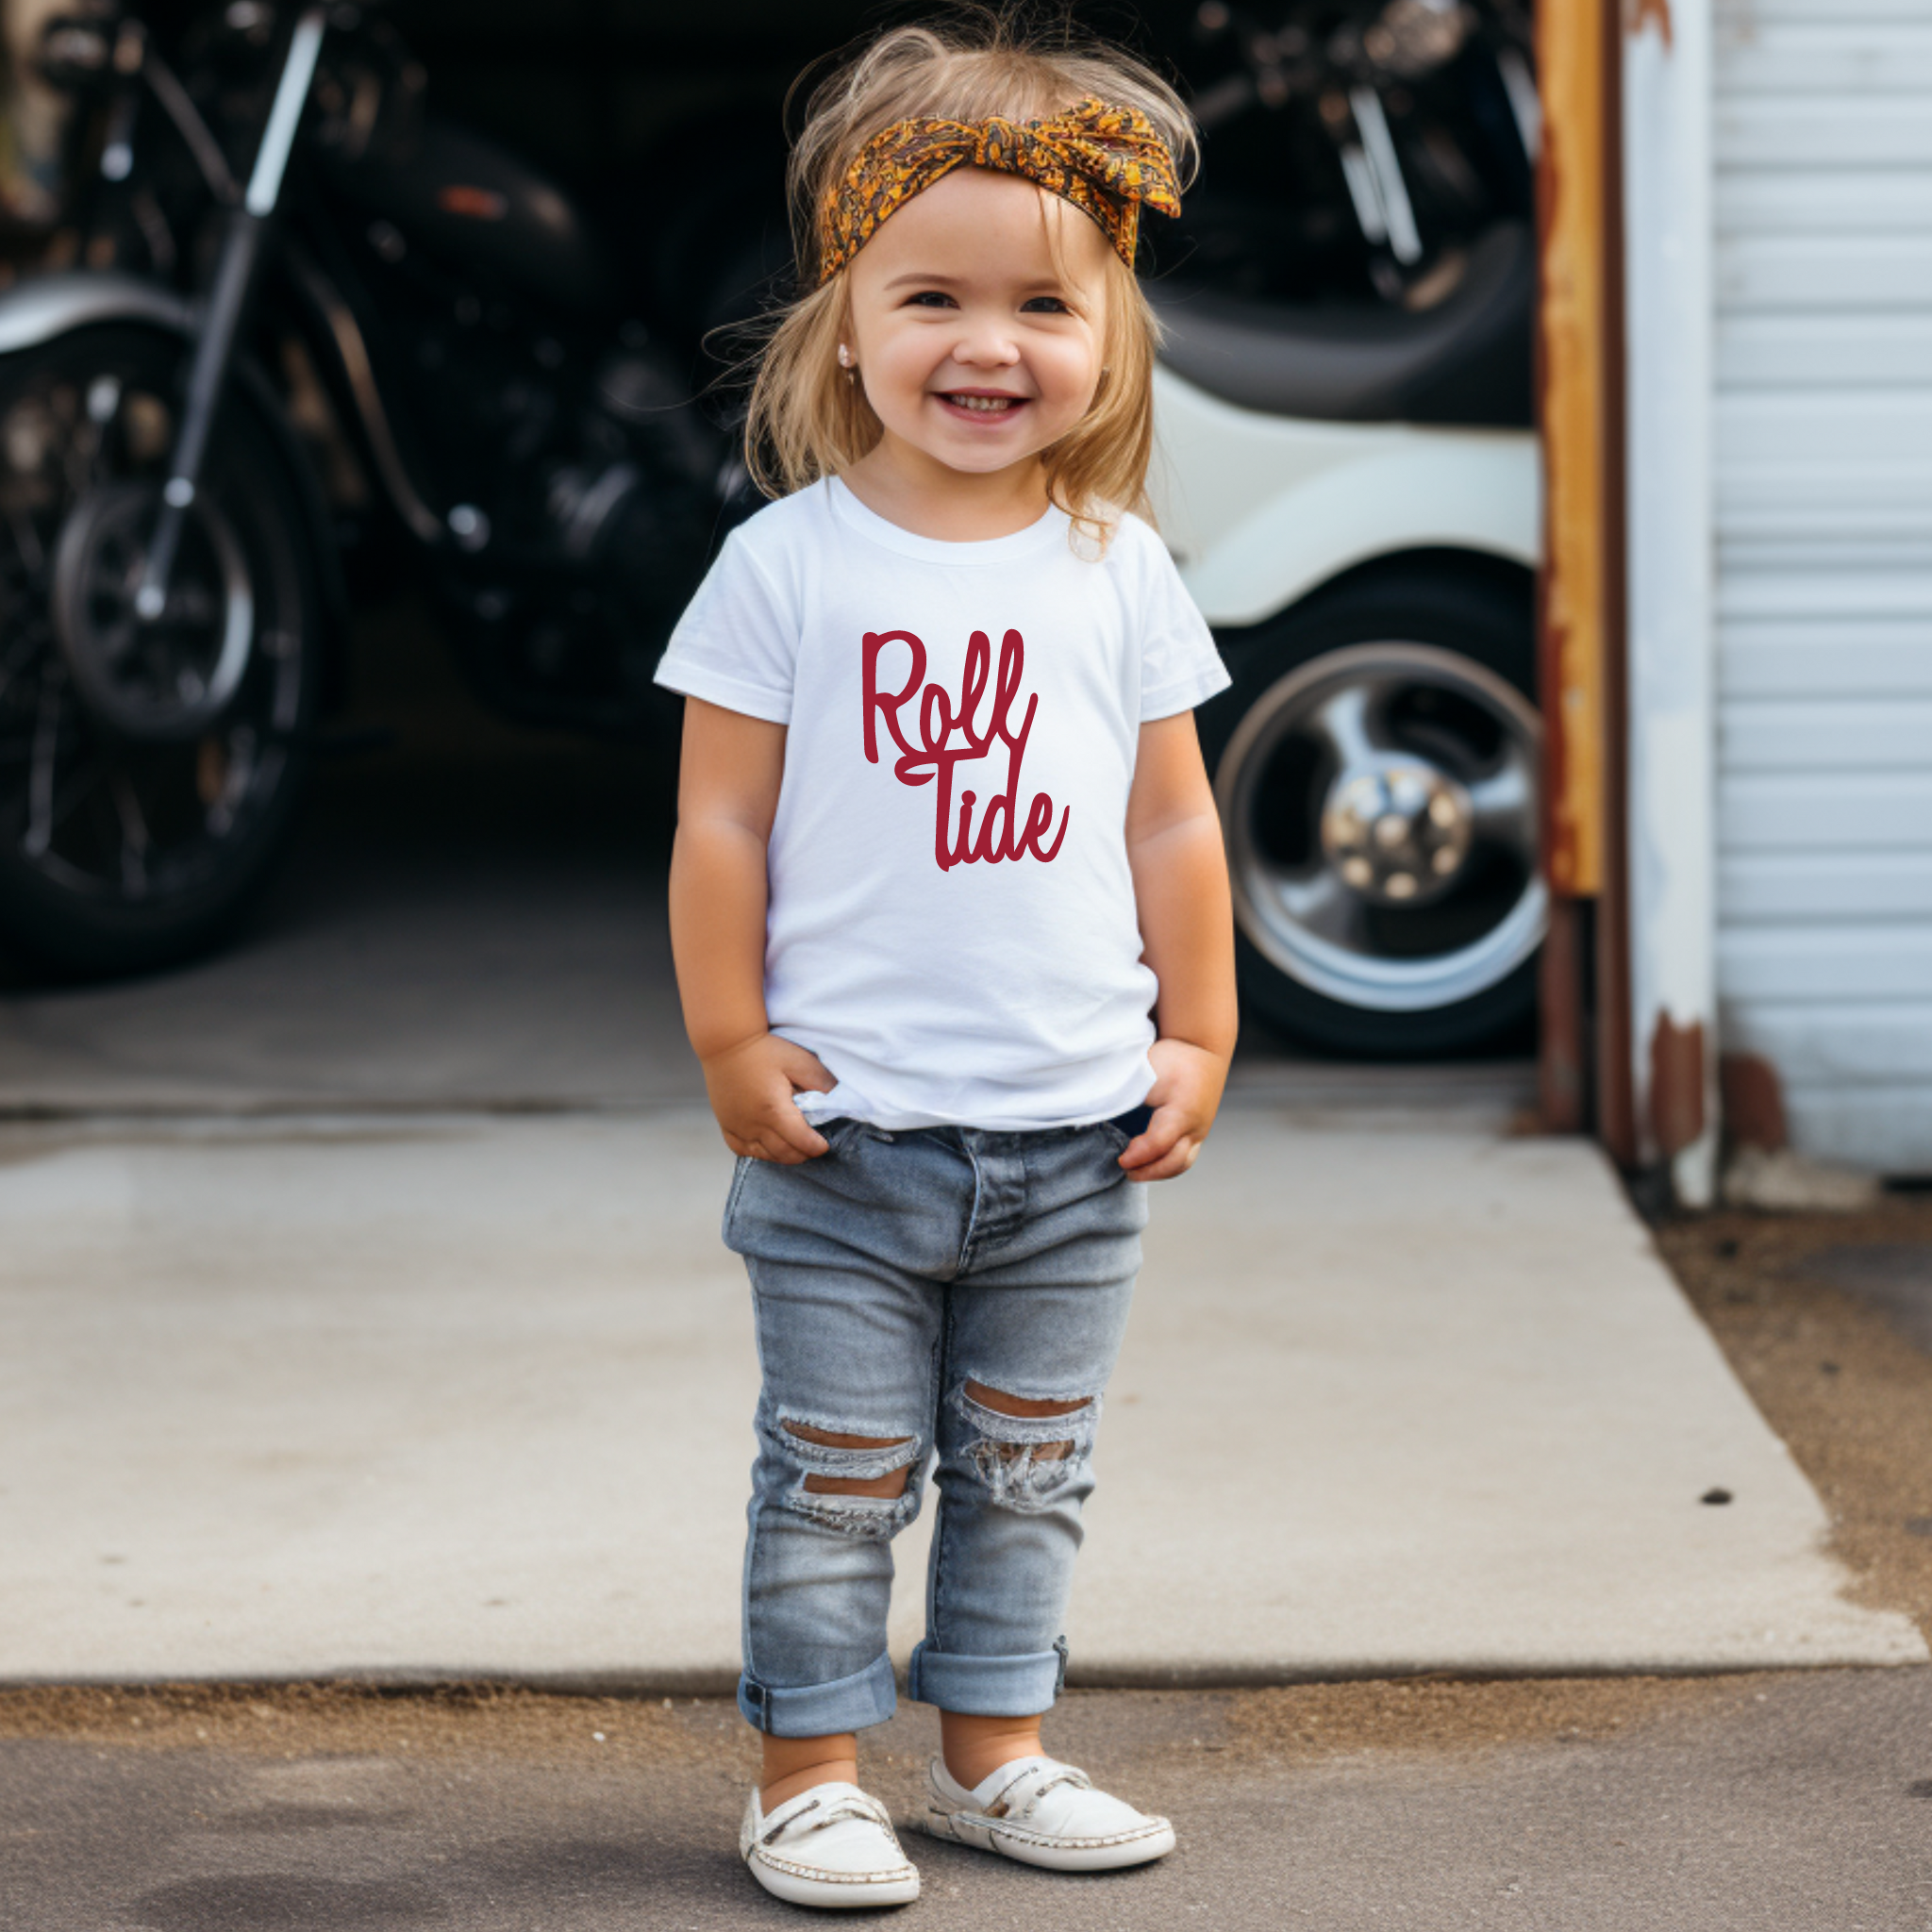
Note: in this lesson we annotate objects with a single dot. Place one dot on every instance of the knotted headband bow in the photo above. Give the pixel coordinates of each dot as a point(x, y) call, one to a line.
point(1106, 160)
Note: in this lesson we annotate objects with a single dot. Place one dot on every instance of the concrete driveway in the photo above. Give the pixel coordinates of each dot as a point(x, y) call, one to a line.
point(470, 1397)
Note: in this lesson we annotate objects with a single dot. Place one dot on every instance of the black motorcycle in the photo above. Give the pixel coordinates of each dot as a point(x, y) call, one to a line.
point(284, 256)
point(1407, 129)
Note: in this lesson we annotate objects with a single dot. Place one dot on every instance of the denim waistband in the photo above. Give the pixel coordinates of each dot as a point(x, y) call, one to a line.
point(1133, 1120)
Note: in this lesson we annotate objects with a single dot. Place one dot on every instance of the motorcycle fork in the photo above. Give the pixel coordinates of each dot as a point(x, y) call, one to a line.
point(221, 323)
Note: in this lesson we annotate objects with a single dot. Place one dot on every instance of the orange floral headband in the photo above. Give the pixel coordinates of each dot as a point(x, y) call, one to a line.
point(1106, 160)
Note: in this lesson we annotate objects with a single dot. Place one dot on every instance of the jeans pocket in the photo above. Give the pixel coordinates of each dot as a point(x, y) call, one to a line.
point(837, 1132)
point(745, 1164)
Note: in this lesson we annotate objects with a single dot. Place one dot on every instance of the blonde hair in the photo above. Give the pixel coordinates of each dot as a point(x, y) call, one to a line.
point(805, 419)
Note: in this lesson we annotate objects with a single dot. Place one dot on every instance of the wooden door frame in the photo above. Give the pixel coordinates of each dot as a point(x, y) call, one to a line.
point(1584, 1042)
point(1628, 625)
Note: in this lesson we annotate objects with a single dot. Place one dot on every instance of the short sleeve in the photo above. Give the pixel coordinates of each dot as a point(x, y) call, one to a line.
point(1180, 666)
point(737, 643)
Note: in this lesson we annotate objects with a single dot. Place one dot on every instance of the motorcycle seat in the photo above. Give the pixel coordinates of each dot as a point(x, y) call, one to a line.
point(1467, 361)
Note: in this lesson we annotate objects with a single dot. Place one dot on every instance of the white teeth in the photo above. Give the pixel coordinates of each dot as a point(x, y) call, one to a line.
point(982, 402)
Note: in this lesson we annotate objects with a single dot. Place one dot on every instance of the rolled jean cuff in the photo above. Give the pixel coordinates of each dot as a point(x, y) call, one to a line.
point(987, 1685)
point(821, 1710)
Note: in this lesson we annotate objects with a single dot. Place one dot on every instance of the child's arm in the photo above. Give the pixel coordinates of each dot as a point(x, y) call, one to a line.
point(1187, 929)
point(727, 796)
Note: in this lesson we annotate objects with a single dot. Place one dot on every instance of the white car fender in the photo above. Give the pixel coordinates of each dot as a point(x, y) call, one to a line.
point(1258, 511)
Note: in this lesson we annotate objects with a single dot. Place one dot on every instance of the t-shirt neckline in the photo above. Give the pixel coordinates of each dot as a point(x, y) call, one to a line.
point(867, 522)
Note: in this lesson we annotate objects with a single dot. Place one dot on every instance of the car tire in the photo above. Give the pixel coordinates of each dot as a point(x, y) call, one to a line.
point(1434, 660)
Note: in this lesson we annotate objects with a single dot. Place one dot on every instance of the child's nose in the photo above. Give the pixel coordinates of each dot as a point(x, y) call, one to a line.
point(987, 345)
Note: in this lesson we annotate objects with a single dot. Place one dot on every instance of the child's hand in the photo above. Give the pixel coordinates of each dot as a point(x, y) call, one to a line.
point(1185, 1096)
point(751, 1087)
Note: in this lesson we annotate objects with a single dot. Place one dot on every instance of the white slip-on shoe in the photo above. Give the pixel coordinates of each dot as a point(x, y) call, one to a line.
point(1042, 1812)
point(832, 1845)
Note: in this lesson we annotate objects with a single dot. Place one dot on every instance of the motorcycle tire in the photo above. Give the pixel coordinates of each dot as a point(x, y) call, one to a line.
point(1441, 658)
point(120, 855)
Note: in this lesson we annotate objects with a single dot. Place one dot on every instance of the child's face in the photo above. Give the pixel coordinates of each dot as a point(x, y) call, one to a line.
point(957, 291)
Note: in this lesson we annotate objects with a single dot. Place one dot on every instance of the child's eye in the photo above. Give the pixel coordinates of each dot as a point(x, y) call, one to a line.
point(925, 295)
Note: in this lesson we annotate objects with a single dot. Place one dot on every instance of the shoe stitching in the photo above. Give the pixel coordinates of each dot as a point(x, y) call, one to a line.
point(1050, 1774)
point(863, 1806)
point(819, 1873)
point(1045, 1780)
point(858, 1805)
point(998, 1828)
point(1077, 1844)
point(785, 1824)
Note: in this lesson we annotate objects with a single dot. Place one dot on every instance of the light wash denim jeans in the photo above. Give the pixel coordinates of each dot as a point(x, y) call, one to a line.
point(887, 1274)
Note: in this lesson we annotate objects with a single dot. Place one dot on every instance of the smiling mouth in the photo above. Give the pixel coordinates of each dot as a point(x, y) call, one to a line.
point(984, 406)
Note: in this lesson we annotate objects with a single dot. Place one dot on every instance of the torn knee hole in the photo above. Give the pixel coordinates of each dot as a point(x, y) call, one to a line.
point(894, 1484)
point(1031, 1407)
point(1023, 1452)
point(831, 1439)
point(1026, 1408)
point(1024, 1447)
point(891, 1484)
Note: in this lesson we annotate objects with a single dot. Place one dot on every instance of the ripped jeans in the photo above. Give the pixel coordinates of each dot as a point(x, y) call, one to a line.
point(887, 1274)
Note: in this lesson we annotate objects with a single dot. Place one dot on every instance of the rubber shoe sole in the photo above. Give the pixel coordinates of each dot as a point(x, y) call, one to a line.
point(1140, 1847)
point(797, 1887)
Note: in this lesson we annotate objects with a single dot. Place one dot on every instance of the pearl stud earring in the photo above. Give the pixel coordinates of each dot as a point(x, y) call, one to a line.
point(844, 356)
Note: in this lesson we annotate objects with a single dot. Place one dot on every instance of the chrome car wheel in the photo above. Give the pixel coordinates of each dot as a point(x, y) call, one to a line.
point(1377, 783)
point(1412, 883)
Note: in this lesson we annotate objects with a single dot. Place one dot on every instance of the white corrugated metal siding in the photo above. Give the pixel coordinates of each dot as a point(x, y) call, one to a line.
point(1823, 453)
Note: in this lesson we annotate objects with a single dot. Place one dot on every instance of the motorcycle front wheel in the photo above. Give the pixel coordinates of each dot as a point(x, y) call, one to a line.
point(1376, 765)
point(149, 773)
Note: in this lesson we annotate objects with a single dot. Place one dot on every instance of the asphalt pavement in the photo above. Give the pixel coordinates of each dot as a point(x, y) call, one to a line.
point(1795, 1803)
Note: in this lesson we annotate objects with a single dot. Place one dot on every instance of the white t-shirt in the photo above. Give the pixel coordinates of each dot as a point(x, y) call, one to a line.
point(952, 926)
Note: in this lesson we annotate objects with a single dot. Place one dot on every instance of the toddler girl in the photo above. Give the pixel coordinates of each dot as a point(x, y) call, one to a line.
point(945, 843)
